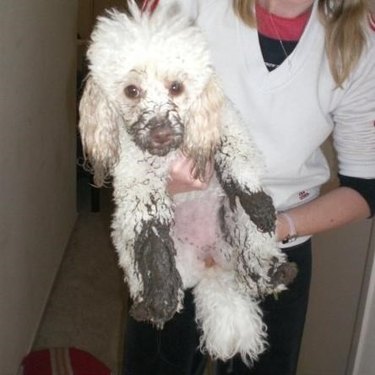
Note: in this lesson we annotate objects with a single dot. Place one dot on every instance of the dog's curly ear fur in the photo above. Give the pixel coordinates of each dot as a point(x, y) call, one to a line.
point(202, 132)
point(99, 131)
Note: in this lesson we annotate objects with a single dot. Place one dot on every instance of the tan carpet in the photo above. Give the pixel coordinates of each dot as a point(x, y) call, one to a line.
point(87, 304)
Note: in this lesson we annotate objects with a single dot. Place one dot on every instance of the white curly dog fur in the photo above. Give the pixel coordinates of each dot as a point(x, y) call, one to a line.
point(152, 94)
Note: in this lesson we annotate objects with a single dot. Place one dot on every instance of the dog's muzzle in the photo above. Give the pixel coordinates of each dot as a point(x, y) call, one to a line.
point(159, 135)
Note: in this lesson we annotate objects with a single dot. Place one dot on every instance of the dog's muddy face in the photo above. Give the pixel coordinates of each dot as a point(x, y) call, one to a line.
point(158, 133)
point(153, 118)
point(152, 72)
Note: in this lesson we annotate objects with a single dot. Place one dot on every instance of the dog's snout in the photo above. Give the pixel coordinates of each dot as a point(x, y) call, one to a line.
point(158, 134)
point(161, 134)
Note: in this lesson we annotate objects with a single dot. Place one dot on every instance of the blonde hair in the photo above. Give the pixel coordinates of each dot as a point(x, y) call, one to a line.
point(345, 24)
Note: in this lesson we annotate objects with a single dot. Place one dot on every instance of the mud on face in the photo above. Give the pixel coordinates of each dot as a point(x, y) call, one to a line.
point(158, 132)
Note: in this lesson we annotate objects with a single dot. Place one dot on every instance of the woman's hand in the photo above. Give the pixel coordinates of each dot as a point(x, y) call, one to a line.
point(181, 177)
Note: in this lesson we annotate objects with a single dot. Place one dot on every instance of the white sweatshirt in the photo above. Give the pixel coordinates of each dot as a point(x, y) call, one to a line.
point(293, 109)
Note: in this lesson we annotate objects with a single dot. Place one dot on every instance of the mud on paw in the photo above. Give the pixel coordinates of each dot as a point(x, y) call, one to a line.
point(155, 260)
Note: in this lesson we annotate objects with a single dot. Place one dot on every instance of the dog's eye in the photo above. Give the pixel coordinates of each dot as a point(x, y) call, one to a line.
point(132, 91)
point(176, 88)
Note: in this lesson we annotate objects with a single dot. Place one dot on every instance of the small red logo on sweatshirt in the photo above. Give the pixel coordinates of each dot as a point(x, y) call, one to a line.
point(303, 195)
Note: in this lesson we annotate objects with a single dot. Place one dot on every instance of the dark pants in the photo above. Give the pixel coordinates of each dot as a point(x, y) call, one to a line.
point(173, 350)
point(170, 351)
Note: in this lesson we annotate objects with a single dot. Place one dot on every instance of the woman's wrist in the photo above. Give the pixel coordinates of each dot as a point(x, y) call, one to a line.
point(285, 228)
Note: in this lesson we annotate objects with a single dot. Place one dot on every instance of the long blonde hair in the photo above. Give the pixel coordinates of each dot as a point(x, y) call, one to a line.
point(344, 22)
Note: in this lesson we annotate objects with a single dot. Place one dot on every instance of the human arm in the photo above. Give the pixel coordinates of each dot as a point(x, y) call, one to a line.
point(354, 140)
point(334, 209)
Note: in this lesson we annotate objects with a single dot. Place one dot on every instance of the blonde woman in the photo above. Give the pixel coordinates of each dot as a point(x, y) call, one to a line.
point(298, 71)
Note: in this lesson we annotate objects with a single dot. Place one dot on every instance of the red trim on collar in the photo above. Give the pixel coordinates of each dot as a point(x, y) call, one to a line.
point(149, 4)
point(280, 27)
point(371, 19)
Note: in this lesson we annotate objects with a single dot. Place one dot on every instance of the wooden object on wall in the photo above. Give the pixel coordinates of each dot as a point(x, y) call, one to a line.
point(89, 10)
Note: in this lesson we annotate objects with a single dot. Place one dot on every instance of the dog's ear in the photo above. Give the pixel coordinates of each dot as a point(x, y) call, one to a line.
point(98, 126)
point(202, 132)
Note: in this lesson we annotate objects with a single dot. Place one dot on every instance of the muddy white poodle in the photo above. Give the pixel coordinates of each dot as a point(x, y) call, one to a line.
point(152, 94)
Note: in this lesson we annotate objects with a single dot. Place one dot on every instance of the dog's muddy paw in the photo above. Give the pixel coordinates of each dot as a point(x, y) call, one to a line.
point(260, 209)
point(155, 259)
point(284, 274)
point(139, 311)
point(156, 312)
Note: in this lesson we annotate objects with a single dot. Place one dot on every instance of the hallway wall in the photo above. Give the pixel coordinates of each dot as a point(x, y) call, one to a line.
point(338, 288)
point(37, 162)
point(363, 361)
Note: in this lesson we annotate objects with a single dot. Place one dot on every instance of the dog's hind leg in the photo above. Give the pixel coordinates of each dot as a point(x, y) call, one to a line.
point(230, 320)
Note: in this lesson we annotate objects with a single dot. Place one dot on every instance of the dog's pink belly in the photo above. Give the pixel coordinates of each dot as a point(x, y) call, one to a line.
point(197, 224)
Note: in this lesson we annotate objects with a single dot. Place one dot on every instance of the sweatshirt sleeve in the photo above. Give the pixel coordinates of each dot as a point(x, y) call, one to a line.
point(354, 119)
point(364, 186)
point(190, 7)
point(193, 8)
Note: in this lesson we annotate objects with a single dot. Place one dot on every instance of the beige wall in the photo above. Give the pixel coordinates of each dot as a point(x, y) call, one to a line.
point(339, 259)
point(37, 166)
point(362, 360)
point(339, 283)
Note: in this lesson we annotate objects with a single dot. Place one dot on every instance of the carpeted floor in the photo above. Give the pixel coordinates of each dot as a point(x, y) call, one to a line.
point(88, 301)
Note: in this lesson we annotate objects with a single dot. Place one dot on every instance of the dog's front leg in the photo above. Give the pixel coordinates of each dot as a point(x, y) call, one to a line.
point(155, 258)
point(141, 235)
point(238, 164)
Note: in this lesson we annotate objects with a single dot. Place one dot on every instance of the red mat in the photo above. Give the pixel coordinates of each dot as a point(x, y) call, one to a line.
point(62, 361)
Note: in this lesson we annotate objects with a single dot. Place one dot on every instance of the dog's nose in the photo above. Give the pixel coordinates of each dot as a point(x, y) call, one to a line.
point(161, 135)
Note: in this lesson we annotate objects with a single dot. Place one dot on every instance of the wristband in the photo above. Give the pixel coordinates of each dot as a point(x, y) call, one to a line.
point(292, 233)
